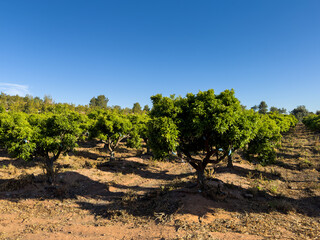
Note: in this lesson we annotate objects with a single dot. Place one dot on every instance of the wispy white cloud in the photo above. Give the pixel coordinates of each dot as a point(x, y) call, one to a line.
point(14, 89)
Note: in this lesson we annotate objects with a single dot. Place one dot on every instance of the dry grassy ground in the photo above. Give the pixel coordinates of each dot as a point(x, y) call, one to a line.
point(135, 197)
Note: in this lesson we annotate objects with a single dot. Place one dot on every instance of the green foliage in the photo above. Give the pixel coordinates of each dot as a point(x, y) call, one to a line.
point(263, 107)
point(204, 124)
point(269, 130)
point(111, 127)
point(16, 134)
point(300, 112)
point(163, 136)
point(57, 133)
point(264, 143)
point(273, 109)
point(146, 108)
point(312, 122)
point(35, 105)
point(139, 130)
point(278, 110)
point(255, 108)
point(40, 135)
point(285, 122)
point(136, 108)
point(101, 102)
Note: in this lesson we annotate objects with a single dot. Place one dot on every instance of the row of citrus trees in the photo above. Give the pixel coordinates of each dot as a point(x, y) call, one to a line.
point(207, 128)
point(312, 121)
point(202, 129)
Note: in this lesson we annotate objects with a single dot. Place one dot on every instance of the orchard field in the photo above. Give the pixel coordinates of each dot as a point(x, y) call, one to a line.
point(136, 197)
point(194, 167)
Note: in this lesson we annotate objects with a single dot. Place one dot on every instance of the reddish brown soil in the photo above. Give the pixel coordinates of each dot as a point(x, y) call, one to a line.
point(135, 197)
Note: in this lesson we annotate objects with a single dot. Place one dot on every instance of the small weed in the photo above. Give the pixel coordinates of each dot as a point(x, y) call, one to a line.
point(273, 188)
point(255, 187)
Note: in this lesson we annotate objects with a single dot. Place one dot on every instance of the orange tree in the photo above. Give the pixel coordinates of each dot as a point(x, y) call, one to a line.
point(205, 128)
point(268, 137)
point(313, 122)
point(111, 127)
point(42, 136)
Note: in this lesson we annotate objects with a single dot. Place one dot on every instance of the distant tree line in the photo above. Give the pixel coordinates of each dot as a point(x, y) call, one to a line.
point(30, 104)
point(299, 112)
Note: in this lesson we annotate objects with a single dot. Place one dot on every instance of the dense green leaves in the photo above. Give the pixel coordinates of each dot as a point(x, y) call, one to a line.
point(264, 143)
point(43, 136)
point(206, 124)
point(99, 102)
point(163, 136)
point(16, 135)
point(139, 129)
point(112, 127)
point(313, 122)
point(300, 112)
point(269, 129)
point(213, 127)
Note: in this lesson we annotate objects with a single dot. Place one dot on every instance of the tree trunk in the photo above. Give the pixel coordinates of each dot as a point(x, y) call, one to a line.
point(49, 170)
point(200, 176)
point(230, 164)
point(147, 146)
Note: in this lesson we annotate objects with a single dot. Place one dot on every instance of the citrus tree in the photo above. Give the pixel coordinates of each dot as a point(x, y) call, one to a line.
point(43, 136)
point(205, 128)
point(56, 134)
point(269, 134)
point(313, 122)
point(138, 133)
point(111, 127)
point(16, 134)
point(285, 122)
point(266, 140)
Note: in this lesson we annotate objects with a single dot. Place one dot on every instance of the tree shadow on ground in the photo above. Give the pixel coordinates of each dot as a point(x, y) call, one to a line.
point(86, 154)
point(152, 205)
point(167, 202)
point(244, 172)
point(287, 155)
point(122, 200)
point(16, 162)
point(286, 165)
point(68, 185)
point(89, 143)
point(124, 166)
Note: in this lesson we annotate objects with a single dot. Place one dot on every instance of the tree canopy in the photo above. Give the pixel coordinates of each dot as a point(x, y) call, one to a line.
point(43, 136)
point(207, 125)
point(101, 101)
point(300, 112)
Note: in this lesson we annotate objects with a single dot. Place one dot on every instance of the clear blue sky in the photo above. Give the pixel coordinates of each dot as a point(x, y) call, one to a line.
point(129, 50)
